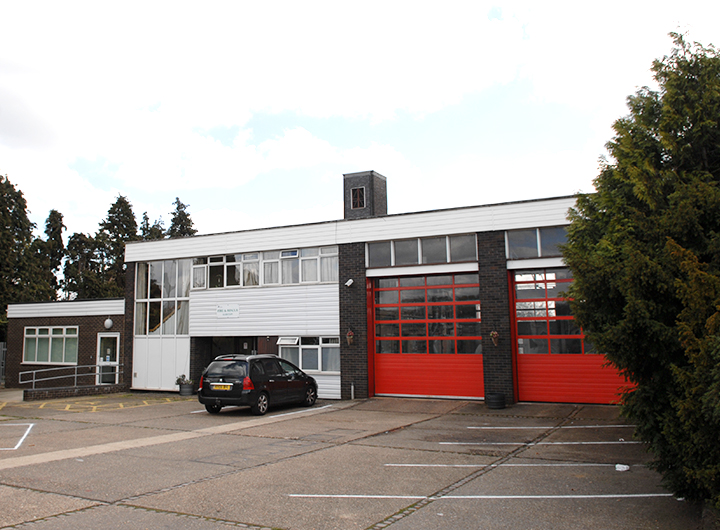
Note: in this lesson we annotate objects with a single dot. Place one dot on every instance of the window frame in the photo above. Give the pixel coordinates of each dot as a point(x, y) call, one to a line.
point(51, 338)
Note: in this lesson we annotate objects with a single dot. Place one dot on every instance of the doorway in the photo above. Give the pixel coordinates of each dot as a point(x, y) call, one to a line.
point(107, 360)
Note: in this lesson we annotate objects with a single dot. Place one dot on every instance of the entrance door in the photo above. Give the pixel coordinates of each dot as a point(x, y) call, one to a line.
point(108, 366)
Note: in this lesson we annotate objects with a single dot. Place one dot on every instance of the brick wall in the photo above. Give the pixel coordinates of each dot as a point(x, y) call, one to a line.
point(494, 296)
point(88, 329)
point(353, 316)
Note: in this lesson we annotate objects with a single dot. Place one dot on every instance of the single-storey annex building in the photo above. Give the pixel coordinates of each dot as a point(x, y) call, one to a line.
point(453, 303)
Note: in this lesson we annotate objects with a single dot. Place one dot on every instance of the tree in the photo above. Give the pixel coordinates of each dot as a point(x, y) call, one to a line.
point(645, 254)
point(21, 272)
point(150, 232)
point(181, 225)
point(54, 246)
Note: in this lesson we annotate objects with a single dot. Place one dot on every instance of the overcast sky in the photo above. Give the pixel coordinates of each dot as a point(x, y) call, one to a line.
point(250, 112)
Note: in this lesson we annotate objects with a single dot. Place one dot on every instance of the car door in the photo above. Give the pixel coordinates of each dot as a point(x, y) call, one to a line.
point(276, 380)
point(295, 381)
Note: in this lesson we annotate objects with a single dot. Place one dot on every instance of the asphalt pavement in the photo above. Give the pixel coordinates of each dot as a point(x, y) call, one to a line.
point(155, 460)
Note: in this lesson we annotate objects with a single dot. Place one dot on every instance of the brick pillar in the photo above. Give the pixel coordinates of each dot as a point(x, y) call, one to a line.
point(353, 316)
point(200, 357)
point(494, 297)
point(128, 333)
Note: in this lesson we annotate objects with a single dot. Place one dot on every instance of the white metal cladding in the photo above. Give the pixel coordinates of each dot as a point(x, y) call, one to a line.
point(295, 310)
point(328, 385)
point(509, 216)
point(157, 361)
point(84, 308)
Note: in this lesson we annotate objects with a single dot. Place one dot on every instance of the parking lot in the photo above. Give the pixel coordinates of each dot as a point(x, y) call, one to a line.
point(160, 461)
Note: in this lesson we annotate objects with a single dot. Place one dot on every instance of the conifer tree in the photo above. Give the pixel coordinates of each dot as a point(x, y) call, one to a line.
point(181, 224)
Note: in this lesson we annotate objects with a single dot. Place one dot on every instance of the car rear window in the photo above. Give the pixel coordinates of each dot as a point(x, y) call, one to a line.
point(227, 369)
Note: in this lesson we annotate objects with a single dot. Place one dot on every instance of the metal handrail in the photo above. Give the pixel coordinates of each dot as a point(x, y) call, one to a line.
point(94, 372)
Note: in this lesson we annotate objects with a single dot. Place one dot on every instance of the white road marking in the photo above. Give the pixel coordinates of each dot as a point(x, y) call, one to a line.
point(482, 497)
point(552, 427)
point(22, 439)
point(542, 443)
point(501, 465)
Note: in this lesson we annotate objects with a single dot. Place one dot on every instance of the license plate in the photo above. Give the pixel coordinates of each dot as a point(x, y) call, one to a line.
point(216, 386)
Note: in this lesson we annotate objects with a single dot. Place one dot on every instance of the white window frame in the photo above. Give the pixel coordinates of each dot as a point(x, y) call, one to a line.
point(50, 336)
point(323, 342)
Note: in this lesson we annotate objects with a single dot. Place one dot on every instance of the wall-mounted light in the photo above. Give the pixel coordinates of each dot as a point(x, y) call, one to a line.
point(108, 323)
point(349, 282)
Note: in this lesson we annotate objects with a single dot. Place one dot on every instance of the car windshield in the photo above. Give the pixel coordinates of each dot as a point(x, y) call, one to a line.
point(236, 369)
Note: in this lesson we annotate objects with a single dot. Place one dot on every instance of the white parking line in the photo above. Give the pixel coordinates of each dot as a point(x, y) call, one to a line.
point(22, 439)
point(552, 427)
point(477, 466)
point(543, 443)
point(482, 497)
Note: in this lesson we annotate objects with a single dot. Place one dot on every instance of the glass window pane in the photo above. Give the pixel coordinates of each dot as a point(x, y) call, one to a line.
point(310, 359)
point(550, 239)
point(141, 285)
point(251, 273)
point(387, 330)
point(273, 254)
point(413, 312)
point(440, 312)
point(532, 327)
point(412, 296)
point(29, 349)
point(434, 250)
point(466, 278)
point(254, 256)
point(329, 269)
point(381, 283)
point(463, 248)
point(232, 258)
point(469, 346)
point(154, 318)
point(379, 254)
point(387, 346)
point(441, 329)
point(155, 279)
point(529, 290)
point(70, 331)
point(290, 271)
point(331, 359)
point(532, 346)
point(199, 261)
point(168, 325)
point(43, 349)
point(439, 295)
point(308, 252)
point(467, 311)
point(414, 346)
point(271, 272)
point(467, 293)
point(406, 252)
point(333, 249)
point(386, 313)
point(183, 279)
point(198, 277)
point(572, 346)
point(564, 327)
point(522, 244)
point(183, 318)
point(71, 349)
point(309, 270)
point(169, 279)
point(141, 318)
point(412, 281)
point(291, 353)
point(414, 330)
point(310, 341)
point(386, 297)
point(233, 273)
point(216, 276)
point(440, 280)
point(57, 347)
point(442, 346)
point(468, 329)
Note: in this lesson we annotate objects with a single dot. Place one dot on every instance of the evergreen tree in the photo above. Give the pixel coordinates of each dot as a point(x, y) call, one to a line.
point(150, 232)
point(645, 255)
point(119, 227)
point(181, 225)
point(54, 246)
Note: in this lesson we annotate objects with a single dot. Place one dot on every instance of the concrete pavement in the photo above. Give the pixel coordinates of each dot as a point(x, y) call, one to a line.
point(157, 460)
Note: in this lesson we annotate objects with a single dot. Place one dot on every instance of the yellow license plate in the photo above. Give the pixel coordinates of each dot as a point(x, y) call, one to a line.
point(221, 387)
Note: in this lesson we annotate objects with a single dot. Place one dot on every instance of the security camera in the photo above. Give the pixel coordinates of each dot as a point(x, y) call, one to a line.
point(349, 282)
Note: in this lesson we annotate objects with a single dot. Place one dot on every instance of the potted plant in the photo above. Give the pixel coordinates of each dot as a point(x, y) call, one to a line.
point(185, 384)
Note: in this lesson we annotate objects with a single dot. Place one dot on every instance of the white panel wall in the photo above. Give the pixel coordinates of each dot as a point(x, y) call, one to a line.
point(508, 216)
point(295, 310)
point(328, 386)
point(84, 308)
point(157, 361)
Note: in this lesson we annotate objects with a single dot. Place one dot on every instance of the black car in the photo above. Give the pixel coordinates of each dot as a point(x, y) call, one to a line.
point(256, 381)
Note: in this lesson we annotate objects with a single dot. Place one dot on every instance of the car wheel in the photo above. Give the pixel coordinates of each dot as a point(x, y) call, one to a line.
point(310, 396)
point(212, 408)
point(262, 402)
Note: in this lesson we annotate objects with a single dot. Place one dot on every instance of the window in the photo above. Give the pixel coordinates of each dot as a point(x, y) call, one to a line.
point(315, 354)
point(164, 307)
point(438, 314)
point(357, 197)
point(51, 345)
point(426, 250)
point(544, 322)
point(535, 243)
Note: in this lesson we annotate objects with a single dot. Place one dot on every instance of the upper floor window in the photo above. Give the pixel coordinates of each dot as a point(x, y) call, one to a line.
point(162, 292)
point(535, 242)
point(425, 250)
point(51, 345)
point(357, 198)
